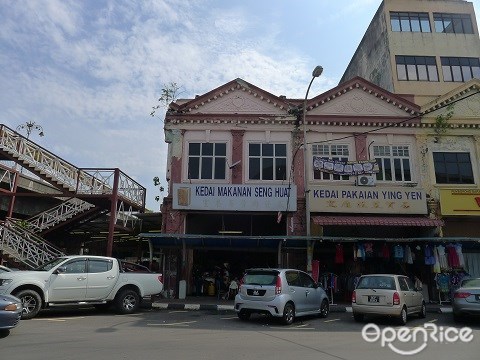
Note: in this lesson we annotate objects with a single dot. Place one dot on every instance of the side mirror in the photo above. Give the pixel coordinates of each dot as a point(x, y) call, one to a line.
point(60, 270)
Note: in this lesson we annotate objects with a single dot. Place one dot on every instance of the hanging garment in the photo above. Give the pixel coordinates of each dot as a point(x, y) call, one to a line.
point(408, 255)
point(360, 252)
point(436, 265)
point(398, 252)
point(443, 282)
point(339, 254)
point(461, 260)
point(354, 253)
point(368, 249)
point(385, 252)
point(442, 257)
point(452, 256)
point(429, 256)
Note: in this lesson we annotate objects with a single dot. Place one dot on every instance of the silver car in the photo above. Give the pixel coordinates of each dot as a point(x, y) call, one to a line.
point(466, 299)
point(282, 293)
point(387, 295)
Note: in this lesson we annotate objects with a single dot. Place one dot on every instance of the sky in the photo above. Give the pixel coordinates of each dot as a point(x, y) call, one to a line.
point(89, 72)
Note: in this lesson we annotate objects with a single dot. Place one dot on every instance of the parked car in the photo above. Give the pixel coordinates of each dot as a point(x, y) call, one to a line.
point(282, 293)
point(10, 312)
point(387, 295)
point(466, 299)
point(4, 269)
point(79, 280)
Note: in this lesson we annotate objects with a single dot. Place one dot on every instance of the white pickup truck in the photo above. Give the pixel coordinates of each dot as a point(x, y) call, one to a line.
point(79, 280)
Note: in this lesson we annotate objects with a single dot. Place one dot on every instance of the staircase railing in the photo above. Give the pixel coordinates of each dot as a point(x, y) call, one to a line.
point(66, 175)
point(25, 246)
point(58, 214)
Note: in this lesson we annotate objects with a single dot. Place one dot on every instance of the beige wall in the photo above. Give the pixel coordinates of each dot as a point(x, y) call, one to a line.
point(428, 44)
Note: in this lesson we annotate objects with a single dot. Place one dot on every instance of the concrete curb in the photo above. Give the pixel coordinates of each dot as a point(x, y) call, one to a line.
point(217, 307)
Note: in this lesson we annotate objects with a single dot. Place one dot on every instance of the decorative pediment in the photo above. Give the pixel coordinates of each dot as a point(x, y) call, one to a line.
point(235, 97)
point(358, 102)
point(359, 97)
point(240, 102)
point(465, 100)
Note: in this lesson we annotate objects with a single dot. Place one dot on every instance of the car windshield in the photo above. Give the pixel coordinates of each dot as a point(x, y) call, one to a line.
point(51, 264)
point(376, 282)
point(471, 283)
point(260, 278)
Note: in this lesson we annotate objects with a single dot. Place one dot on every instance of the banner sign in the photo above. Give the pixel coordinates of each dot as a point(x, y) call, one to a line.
point(233, 197)
point(345, 167)
point(363, 200)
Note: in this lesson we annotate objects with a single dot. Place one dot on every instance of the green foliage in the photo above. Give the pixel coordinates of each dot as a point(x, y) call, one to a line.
point(170, 93)
point(441, 121)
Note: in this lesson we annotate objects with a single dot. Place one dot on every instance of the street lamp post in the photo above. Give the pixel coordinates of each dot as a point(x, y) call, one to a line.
point(315, 73)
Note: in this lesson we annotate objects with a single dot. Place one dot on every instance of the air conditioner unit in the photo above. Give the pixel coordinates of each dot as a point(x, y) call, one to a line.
point(366, 180)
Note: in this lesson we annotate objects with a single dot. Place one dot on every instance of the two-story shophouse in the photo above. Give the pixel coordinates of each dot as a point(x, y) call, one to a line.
point(236, 194)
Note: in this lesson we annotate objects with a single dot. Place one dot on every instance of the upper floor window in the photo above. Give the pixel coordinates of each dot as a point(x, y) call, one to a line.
point(416, 68)
point(460, 68)
point(207, 160)
point(330, 152)
point(453, 168)
point(267, 161)
point(410, 22)
point(453, 23)
point(393, 162)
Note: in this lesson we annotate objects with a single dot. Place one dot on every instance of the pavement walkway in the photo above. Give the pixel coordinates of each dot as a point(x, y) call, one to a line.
point(212, 303)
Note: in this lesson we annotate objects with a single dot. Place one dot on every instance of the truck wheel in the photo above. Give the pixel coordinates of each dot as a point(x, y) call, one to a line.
point(31, 301)
point(127, 301)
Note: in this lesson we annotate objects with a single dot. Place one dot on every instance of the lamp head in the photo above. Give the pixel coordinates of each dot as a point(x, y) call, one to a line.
point(317, 71)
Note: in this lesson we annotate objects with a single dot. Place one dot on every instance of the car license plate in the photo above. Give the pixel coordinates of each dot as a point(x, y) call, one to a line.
point(373, 299)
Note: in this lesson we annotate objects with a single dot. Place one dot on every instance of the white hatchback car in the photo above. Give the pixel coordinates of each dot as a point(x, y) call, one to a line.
point(282, 293)
point(389, 295)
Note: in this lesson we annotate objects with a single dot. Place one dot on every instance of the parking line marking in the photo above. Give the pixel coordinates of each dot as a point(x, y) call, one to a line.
point(290, 328)
point(174, 324)
point(331, 320)
point(432, 320)
point(303, 325)
point(177, 311)
point(60, 319)
point(230, 318)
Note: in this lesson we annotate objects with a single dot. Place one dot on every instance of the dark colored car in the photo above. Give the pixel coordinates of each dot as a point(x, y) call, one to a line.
point(466, 299)
point(10, 312)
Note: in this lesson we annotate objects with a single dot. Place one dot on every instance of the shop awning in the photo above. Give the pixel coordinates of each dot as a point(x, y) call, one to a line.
point(375, 221)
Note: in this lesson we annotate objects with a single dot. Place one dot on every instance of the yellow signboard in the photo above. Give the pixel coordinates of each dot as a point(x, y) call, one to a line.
point(460, 202)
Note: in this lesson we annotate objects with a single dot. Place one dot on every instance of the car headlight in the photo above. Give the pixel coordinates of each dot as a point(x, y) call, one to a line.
point(4, 282)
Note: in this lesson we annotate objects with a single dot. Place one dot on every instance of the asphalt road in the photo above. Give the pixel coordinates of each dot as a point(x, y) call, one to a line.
point(170, 334)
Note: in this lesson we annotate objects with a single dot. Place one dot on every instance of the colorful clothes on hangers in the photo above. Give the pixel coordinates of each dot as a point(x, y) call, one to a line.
point(452, 256)
point(436, 265)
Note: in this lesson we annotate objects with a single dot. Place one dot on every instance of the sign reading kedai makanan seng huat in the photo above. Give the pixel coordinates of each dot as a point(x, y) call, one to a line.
point(233, 197)
point(376, 200)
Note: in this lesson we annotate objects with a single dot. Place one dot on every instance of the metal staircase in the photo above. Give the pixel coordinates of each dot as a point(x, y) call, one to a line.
point(67, 177)
point(87, 190)
point(57, 215)
point(18, 242)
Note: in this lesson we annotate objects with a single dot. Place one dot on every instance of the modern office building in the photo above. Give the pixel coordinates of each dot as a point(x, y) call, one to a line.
point(420, 47)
